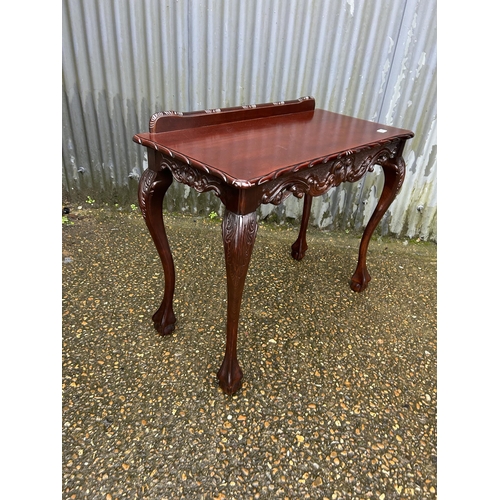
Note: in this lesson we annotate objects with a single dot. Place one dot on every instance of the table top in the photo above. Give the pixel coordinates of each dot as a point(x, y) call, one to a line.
point(249, 151)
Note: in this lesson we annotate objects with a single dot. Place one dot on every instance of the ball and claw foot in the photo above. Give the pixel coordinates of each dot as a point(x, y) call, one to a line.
point(230, 375)
point(299, 249)
point(162, 325)
point(360, 280)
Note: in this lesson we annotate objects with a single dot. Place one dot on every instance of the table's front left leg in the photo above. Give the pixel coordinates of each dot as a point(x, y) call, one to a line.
point(238, 234)
point(394, 172)
point(152, 188)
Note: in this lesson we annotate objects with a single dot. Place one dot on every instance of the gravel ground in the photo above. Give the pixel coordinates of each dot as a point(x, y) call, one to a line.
point(339, 390)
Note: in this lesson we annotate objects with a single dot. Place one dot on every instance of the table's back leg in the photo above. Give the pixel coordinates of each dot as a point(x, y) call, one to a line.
point(238, 234)
point(394, 172)
point(300, 246)
point(152, 188)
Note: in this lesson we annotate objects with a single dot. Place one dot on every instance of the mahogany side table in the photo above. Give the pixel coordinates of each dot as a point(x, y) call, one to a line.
point(257, 154)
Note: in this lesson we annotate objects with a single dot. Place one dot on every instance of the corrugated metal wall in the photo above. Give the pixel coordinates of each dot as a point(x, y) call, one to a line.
point(123, 60)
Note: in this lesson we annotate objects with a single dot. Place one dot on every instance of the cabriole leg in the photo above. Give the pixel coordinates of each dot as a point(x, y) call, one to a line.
point(394, 172)
point(238, 234)
point(300, 246)
point(152, 188)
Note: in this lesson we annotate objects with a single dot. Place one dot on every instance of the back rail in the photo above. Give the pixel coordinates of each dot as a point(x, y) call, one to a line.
point(166, 121)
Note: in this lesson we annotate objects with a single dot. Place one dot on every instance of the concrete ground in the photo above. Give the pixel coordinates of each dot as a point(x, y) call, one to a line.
point(339, 390)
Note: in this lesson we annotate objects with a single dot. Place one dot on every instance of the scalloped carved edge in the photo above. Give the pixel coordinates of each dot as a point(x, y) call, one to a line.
point(319, 181)
point(244, 184)
point(193, 177)
point(350, 167)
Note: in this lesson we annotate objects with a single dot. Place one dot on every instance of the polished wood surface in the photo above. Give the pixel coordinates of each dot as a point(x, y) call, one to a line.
point(251, 155)
point(250, 151)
